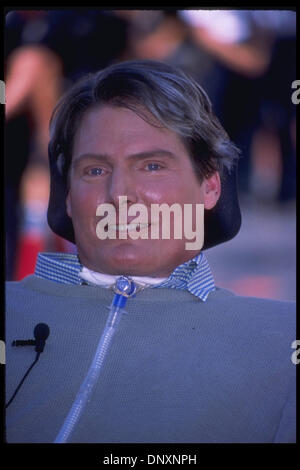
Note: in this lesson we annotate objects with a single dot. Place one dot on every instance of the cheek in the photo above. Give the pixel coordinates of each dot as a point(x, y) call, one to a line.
point(194, 192)
point(84, 200)
point(157, 195)
point(180, 193)
point(162, 191)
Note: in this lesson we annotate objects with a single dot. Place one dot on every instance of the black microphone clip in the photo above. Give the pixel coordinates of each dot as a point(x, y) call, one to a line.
point(23, 342)
point(41, 333)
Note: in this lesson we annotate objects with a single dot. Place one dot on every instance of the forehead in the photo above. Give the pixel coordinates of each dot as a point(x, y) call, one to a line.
point(115, 130)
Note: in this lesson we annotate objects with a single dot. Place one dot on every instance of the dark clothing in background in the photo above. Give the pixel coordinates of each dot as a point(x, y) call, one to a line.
point(85, 40)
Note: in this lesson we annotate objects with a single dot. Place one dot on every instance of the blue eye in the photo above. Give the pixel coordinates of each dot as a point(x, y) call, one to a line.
point(95, 171)
point(153, 166)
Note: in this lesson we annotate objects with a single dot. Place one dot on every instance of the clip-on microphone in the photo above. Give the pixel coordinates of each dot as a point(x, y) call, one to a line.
point(41, 333)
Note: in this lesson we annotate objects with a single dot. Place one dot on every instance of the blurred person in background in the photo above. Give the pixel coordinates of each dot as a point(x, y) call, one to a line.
point(256, 57)
point(45, 50)
point(32, 88)
point(163, 35)
point(221, 51)
point(240, 57)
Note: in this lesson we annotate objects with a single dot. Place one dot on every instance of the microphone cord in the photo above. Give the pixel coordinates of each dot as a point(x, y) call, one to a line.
point(20, 384)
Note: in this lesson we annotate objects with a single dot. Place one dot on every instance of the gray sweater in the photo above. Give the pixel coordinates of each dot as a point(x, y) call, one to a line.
point(179, 370)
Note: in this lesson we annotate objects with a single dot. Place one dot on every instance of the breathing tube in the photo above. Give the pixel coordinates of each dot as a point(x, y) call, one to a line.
point(123, 288)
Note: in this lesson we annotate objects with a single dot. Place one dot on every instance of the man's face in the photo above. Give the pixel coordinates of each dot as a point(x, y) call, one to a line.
point(116, 153)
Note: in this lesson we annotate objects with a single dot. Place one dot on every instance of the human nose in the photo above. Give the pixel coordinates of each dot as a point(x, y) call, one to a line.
point(121, 184)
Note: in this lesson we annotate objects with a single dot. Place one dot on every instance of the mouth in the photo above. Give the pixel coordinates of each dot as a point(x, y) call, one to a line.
point(128, 227)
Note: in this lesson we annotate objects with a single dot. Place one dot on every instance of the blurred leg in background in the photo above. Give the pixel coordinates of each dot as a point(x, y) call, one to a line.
point(32, 89)
point(16, 150)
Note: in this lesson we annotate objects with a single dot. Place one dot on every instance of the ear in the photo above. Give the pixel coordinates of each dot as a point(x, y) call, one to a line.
point(212, 190)
point(69, 205)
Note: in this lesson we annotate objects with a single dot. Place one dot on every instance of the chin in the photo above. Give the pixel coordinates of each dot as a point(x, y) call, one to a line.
point(131, 258)
point(118, 259)
point(131, 266)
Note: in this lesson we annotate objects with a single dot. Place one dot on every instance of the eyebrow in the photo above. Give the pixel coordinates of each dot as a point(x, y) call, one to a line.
point(135, 156)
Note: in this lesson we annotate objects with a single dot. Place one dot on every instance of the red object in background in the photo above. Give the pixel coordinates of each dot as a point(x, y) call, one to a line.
point(29, 247)
point(30, 244)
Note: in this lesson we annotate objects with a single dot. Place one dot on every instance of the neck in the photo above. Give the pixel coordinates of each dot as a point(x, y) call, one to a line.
point(108, 280)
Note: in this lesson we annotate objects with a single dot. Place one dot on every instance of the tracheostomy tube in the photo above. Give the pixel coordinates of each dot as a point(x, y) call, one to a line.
point(123, 288)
